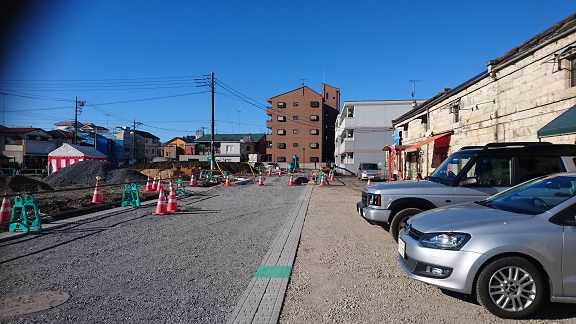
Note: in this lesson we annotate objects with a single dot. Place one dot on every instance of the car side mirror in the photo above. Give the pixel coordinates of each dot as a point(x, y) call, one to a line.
point(470, 181)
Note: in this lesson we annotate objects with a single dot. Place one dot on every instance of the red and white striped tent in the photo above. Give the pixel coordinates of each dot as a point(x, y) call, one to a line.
point(68, 154)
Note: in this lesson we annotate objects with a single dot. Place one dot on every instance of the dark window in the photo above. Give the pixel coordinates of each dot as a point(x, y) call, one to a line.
point(295, 103)
point(314, 159)
point(281, 118)
point(314, 132)
point(295, 117)
point(281, 159)
point(314, 145)
point(294, 144)
point(314, 117)
point(281, 132)
point(530, 167)
point(573, 72)
point(314, 104)
point(281, 145)
point(294, 131)
point(281, 105)
point(492, 171)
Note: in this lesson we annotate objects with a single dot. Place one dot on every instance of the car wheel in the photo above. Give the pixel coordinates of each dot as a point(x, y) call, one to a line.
point(400, 219)
point(511, 287)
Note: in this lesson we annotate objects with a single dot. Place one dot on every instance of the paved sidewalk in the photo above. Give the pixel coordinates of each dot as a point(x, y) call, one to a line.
point(262, 301)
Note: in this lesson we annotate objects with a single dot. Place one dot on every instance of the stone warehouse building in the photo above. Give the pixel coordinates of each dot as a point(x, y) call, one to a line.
point(301, 122)
point(527, 94)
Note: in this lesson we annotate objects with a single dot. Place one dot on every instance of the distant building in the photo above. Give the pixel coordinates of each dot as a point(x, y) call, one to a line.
point(363, 128)
point(28, 147)
point(228, 147)
point(138, 146)
point(301, 122)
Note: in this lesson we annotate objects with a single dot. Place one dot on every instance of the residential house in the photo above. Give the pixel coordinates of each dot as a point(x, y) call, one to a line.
point(138, 146)
point(526, 94)
point(301, 122)
point(229, 147)
point(29, 147)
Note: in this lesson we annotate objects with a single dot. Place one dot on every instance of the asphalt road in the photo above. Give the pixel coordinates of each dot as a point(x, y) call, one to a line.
point(132, 266)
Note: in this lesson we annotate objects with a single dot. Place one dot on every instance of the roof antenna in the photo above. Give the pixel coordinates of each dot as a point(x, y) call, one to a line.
point(414, 105)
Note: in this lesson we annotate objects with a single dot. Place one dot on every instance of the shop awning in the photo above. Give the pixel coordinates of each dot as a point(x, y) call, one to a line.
point(416, 146)
point(561, 125)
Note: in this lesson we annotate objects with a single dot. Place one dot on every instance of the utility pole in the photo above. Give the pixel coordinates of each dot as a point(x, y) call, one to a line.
point(78, 104)
point(414, 92)
point(212, 134)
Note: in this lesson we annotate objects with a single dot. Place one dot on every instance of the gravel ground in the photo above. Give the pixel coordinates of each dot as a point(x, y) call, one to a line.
point(133, 267)
point(346, 272)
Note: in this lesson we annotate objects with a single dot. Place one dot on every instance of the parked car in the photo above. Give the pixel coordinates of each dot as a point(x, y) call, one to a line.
point(369, 170)
point(258, 167)
point(470, 174)
point(272, 166)
point(514, 250)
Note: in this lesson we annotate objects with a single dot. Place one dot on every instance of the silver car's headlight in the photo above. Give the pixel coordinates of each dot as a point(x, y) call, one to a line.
point(444, 241)
point(374, 200)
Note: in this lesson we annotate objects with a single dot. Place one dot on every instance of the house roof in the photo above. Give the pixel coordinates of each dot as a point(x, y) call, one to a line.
point(229, 137)
point(509, 57)
point(145, 134)
point(58, 133)
point(175, 139)
point(297, 89)
point(68, 123)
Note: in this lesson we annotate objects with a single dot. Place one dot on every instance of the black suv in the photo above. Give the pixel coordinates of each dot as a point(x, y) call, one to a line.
point(470, 174)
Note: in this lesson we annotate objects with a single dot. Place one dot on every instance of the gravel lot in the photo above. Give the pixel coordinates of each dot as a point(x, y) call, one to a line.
point(346, 272)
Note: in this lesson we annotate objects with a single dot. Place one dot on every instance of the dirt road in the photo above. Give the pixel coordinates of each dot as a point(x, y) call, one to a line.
point(346, 272)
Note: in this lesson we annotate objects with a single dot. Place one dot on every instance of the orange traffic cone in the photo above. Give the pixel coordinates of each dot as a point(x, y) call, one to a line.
point(161, 205)
point(155, 184)
point(193, 180)
point(227, 184)
point(97, 197)
point(260, 181)
point(280, 172)
point(172, 204)
point(291, 182)
point(148, 185)
point(160, 184)
point(5, 210)
point(322, 183)
point(269, 172)
point(171, 187)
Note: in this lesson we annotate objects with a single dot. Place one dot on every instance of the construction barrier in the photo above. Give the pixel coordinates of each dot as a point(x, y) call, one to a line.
point(180, 187)
point(130, 196)
point(25, 214)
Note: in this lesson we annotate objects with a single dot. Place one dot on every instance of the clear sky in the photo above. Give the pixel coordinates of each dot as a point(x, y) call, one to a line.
point(148, 61)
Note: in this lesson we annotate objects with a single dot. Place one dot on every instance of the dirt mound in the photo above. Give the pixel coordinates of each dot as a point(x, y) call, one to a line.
point(20, 183)
point(84, 174)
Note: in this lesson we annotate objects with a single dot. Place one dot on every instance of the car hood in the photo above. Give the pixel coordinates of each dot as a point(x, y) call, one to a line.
point(406, 185)
point(466, 217)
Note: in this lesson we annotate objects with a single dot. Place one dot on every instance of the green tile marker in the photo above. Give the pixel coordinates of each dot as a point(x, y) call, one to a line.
point(273, 272)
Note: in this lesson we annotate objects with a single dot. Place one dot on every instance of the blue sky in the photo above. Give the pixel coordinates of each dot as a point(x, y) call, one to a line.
point(147, 60)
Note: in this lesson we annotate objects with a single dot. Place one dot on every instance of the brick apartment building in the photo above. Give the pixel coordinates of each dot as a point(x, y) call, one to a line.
point(301, 122)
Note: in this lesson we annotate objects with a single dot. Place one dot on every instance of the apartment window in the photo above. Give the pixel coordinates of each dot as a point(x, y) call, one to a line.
point(281, 118)
point(314, 159)
point(281, 145)
point(269, 144)
point(281, 159)
point(314, 145)
point(294, 117)
point(314, 104)
point(350, 112)
point(281, 105)
point(281, 132)
point(314, 132)
point(350, 133)
point(294, 144)
point(153, 151)
point(31, 137)
point(294, 131)
point(229, 148)
point(295, 104)
point(248, 148)
point(314, 117)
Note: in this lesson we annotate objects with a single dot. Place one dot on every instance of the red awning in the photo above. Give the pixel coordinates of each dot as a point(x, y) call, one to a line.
point(415, 147)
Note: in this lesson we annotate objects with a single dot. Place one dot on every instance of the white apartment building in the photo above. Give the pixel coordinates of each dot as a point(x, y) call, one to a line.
point(363, 129)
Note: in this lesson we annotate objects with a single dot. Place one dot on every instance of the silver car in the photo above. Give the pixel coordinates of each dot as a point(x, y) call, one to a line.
point(513, 251)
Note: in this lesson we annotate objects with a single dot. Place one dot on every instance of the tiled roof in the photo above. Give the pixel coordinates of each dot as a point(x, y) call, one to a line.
point(229, 137)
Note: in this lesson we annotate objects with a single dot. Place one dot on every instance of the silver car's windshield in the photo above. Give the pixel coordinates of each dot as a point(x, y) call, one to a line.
point(535, 196)
point(451, 167)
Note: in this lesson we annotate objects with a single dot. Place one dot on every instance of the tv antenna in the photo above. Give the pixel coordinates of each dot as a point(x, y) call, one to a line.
point(414, 91)
point(303, 81)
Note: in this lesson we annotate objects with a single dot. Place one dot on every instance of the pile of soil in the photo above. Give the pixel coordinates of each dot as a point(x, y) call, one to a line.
point(84, 174)
point(21, 183)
